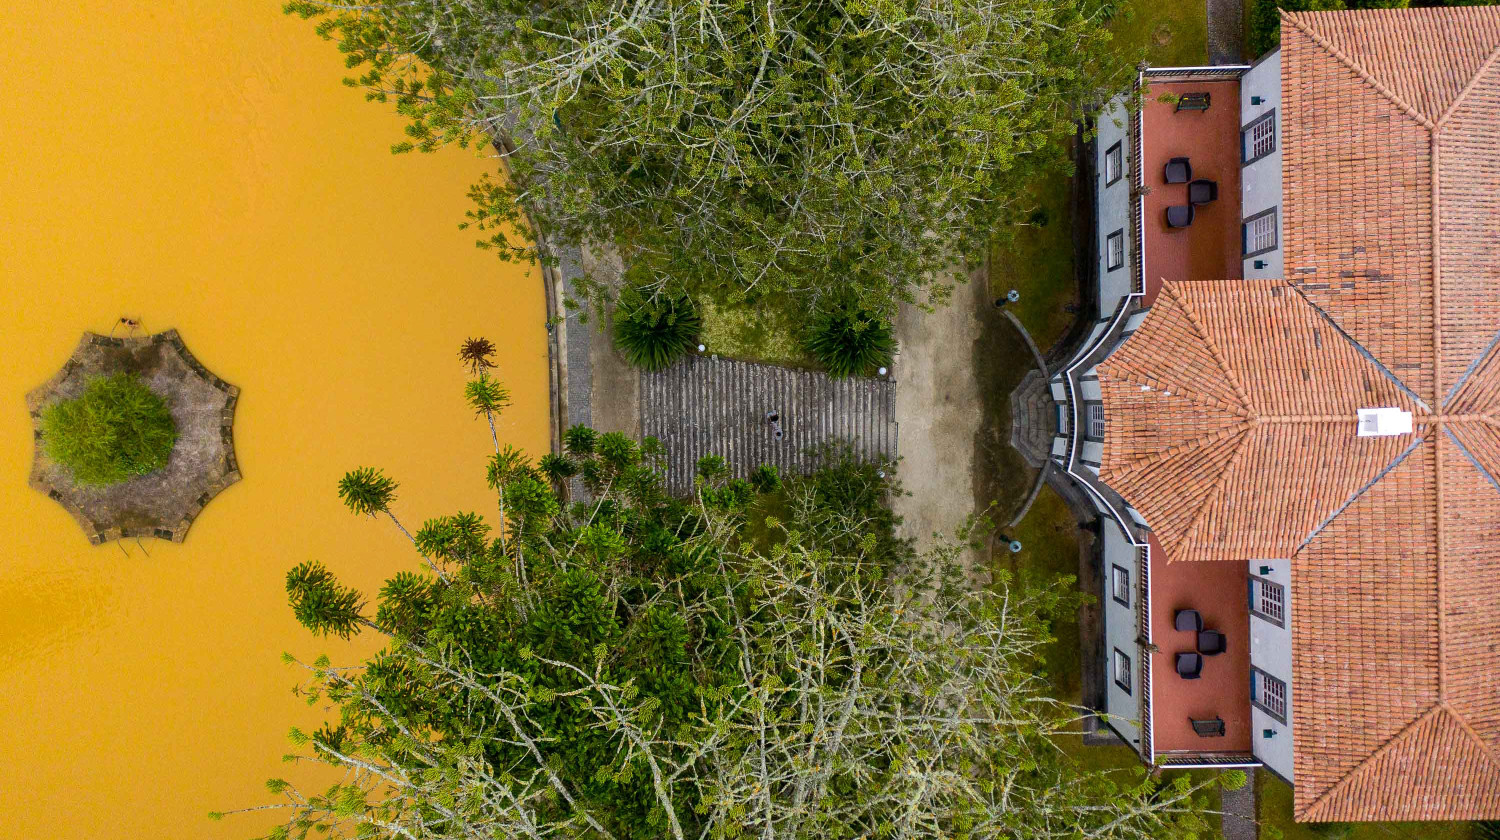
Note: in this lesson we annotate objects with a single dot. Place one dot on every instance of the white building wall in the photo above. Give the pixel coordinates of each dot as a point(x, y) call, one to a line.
point(1120, 631)
point(1271, 652)
point(1113, 202)
point(1260, 182)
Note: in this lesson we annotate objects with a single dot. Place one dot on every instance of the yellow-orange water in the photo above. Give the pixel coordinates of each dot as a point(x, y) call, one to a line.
point(199, 165)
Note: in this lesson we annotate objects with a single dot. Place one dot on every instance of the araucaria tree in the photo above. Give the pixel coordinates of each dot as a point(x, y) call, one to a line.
point(764, 660)
point(742, 149)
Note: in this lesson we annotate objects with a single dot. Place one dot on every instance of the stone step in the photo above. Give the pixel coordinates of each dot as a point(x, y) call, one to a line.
point(703, 406)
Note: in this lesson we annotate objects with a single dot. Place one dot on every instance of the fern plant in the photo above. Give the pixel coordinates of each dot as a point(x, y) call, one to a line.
point(654, 332)
point(115, 430)
point(849, 341)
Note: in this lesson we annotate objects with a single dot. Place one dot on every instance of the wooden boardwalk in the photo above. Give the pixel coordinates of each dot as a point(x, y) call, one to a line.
point(706, 406)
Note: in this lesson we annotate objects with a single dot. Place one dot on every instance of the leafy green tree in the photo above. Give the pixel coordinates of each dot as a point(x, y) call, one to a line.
point(637, 667)
point(115, 430)
point(739, 149)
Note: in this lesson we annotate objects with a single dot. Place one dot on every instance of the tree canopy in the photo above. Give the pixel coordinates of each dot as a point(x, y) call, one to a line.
point(765, 658)
point(117, 429)
point(741, 149)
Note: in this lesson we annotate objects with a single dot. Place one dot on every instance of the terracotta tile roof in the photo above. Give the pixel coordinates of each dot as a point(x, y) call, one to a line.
point(1423, 57)
point(1357, 207)
point(1231, 412)
point(1229, 388)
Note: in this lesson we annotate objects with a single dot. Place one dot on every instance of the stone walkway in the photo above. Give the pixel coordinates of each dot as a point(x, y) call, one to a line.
point(940, 409)
point(1239, 812)
point(1226, 32)
point(708, 406)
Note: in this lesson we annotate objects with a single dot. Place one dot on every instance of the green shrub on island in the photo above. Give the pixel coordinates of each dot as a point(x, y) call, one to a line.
point(115, 430)
point(653, 332)
point(850, 341)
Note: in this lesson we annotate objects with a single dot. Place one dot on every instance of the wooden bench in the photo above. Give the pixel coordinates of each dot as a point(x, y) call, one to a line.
point(1193, 102)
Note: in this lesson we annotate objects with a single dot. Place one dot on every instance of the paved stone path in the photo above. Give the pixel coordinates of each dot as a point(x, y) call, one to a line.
point(1226, 31)
point(707, 406)
point(1239, 812)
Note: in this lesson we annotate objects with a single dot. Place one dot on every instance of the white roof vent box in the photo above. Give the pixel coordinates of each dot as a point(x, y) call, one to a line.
point(1384, 422)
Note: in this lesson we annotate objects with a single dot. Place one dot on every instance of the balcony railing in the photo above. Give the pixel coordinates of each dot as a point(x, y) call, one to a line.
point(1143, 653)
point(1137, 206)
point(1182, 759)
point(1221, 72)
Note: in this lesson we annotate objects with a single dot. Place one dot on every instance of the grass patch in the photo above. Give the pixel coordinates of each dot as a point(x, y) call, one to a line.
point(1036, 259)
point(1049, 552)
point(764, 332)
point(1166, 33)
point(1275, 813)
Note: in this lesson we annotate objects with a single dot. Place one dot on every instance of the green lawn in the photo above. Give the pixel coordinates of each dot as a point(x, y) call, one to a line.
point(760, 332)
point(1036, 259)
point(1049, 551)
point(1166, 33)
point(1275, 799)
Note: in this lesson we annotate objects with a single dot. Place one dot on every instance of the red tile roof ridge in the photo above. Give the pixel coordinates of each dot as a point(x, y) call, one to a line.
point(1467, 89)
point(1439, 540)
point(1307, 814)
point(1464, 722)
point(1192, 540)
point(1187, 392)
point(1213, 346)
point(1437, 230)
point(1317, 810)
point(1295, 19)
point(1437, 274)
point(1110, 472)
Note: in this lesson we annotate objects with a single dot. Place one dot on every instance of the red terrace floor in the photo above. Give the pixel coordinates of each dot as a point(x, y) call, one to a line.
point(1218, 591)
point(1209, 249)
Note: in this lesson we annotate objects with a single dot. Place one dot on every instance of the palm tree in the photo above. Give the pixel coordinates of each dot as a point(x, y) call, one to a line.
point(476, 353)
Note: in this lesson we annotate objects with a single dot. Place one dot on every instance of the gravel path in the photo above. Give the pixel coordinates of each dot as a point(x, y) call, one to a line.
point(1226, 31)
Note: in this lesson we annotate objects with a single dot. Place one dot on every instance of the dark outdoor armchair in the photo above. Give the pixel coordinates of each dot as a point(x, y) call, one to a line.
point(1202, 191)
point(1211, 642)
point(1179, 215)
point(1188, 620)
point(1178, 171)
point(1189, 666)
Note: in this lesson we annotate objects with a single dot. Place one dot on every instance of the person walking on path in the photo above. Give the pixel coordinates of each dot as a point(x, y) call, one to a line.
point(774, 418)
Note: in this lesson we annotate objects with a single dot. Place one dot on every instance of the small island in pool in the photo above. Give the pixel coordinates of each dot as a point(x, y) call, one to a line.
point(133, 437)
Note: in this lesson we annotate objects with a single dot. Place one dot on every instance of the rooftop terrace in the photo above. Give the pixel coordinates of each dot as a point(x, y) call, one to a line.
point(1217, 591)
point(1210, 247)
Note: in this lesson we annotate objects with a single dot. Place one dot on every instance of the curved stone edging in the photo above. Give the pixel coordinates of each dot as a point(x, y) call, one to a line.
point(557, 329)
point(89, 506)
point(1041, 363)
point(1041, 474)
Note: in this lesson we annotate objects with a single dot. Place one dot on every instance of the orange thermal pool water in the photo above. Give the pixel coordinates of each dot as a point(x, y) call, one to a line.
point(199, 165)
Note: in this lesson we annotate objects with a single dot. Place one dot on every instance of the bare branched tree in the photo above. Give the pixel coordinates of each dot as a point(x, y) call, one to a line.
point(743, 148)
point(660, 669)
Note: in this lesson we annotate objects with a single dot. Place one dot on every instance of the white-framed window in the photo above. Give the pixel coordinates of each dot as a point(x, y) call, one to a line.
point(1260, 233)
point(1120, 664)
point(1119, 584)
point(1114, 250)
point(1268, 694)
point(1095, 414)
point(1114, 164)
point(1268, 600)
point(1258, 139)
